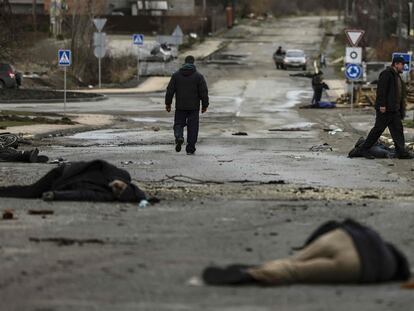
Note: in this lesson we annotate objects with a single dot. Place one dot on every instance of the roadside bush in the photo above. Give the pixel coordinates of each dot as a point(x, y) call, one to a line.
point(118, 69)
point(386, 48)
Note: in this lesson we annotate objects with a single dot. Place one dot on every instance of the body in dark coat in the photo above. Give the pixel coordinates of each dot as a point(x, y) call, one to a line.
point(380, 260)
point(79, 181)
point(9, 154)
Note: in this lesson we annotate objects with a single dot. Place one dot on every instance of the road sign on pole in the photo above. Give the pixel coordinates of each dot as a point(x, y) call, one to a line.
point(354, 36)
point(353, 72)
point(353, 55)
point(64, 60)
point(99, 42)
point(138, 39)
point(407, 60)
point(99, 23)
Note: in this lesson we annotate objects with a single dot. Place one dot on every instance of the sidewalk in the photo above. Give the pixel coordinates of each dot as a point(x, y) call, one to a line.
point(336, 88)
point(203, 50)
point(151, 85)
point(84, 120)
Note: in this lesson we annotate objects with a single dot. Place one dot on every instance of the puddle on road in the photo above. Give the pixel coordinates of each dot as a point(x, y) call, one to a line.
point(149, 120)
point(105, 134)
point(227, 58)
point(295, 97)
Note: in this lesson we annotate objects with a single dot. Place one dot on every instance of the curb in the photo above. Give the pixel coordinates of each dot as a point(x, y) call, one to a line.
point(55, 101)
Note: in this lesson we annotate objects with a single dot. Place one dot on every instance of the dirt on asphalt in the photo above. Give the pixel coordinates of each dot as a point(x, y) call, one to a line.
point(41, 95)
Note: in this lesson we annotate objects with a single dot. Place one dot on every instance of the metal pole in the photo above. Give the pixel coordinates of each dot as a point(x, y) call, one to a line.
point(346, 15)
point(99, 69)
point(410, 32)
point(138, 52)
point(399, 32)
point(352, 96)
point(64, 91)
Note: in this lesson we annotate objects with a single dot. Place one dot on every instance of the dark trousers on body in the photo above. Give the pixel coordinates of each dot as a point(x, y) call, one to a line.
point(189, 118)
point(392, 120)
point(35, 190)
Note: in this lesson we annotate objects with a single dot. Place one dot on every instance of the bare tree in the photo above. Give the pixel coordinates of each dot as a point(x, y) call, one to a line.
point(34, 13)
point(8, 32)
point(81, 29)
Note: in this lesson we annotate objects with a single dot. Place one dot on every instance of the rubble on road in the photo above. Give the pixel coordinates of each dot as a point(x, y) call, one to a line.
point(8, 214)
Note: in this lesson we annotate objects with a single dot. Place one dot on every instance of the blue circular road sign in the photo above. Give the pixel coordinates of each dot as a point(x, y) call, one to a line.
point(353, 72)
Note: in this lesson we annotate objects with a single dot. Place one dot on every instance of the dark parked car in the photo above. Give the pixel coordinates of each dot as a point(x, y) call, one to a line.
point(9, 78)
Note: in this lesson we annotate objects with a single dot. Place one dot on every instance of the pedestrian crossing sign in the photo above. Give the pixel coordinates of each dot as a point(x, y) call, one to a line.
point(138, 39)
point(64, 58)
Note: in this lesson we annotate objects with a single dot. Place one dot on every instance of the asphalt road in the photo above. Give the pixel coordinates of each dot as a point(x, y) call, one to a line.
point(120, 257)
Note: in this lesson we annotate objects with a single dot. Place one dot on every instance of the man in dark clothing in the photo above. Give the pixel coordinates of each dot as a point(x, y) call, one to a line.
point(337, 252)
point(189, 88)
point(80, 181)
point(318, 86)
point(278, 57)
point(390, 110)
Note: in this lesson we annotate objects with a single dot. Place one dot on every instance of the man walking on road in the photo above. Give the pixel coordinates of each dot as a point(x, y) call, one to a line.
point(390, 107)
point(189, 88)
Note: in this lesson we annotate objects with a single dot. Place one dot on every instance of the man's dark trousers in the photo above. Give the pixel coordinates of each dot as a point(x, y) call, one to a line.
point(392, 120)
point(189, 118)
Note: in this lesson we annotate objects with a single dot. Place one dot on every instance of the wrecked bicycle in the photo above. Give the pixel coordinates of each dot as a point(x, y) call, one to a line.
point(8, 140)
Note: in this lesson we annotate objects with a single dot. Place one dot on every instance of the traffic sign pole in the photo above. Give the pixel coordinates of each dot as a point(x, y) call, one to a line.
point(352, 96)
point(64, 92)
point(64, 60)
point(138, 40)
point(138, 56)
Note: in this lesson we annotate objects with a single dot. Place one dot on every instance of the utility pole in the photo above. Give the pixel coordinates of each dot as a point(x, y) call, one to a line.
point(399, 25)
point(34, 13)
point(381, 19)
point(346, 15)
point(204, 6)
point(354, 17)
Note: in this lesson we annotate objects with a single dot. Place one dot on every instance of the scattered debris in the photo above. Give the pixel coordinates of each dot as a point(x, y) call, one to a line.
point(240, 134)
point(154, 200)
point(225, 161)
point(41, 212)
point(191, 180)
point(143, 204)
point(8, 214)
point(323, 147)
point(195, 281)
point(290, 129)
point(67, 241)
point(155, 128)
point(370, 196)
point(408, 285)
point(59, 161)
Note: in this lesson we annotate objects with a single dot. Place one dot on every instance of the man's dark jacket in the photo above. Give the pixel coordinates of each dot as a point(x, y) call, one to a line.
point(380, 261)
point(189, 87)
point(387, 92)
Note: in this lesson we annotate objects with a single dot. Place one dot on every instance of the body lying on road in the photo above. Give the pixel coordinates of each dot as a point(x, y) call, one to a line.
point(346, 252)
point(80, 181)
point(378, 150)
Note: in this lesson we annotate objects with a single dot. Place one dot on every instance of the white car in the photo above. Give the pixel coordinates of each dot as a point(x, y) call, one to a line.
point(295, 58)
